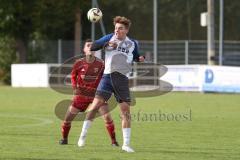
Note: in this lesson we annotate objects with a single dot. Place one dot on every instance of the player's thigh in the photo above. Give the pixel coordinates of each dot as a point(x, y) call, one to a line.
point(96, 104)
point(73, 110)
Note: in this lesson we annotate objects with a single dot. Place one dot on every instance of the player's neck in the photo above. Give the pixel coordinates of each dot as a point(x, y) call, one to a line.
point(121, 38)
point(90, 58)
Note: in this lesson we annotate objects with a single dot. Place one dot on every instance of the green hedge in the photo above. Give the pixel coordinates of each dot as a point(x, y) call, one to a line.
point(7, 57)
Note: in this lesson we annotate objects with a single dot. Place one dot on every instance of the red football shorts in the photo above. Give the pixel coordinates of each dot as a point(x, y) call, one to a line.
point(80, 103)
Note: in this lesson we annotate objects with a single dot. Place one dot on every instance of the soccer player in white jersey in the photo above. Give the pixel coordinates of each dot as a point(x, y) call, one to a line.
point(120, 51)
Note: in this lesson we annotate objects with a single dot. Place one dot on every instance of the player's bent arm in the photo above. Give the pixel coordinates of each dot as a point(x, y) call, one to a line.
point(136, 56)
point(74, 76)
point(100, 43)
point(135, 52)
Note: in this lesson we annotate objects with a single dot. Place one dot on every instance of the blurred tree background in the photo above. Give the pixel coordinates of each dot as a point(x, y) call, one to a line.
point(22, 21)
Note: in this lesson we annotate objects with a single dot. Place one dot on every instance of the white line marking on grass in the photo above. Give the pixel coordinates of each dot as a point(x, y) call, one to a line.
point(42, 121)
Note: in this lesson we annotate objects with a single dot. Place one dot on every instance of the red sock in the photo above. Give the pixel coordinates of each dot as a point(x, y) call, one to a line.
point(65, 130)
point(111, 130)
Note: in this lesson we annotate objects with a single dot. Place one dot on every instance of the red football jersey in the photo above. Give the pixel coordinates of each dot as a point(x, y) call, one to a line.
point(85, 77)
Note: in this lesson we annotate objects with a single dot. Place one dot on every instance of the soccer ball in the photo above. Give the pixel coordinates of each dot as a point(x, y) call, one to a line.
point(94, 15)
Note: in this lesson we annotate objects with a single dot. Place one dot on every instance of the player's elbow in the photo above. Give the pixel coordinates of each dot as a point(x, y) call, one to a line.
point(96, 46)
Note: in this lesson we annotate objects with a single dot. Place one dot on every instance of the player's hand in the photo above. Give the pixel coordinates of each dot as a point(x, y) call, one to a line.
point(141, 58)
point(75, 91)
point(111, 45)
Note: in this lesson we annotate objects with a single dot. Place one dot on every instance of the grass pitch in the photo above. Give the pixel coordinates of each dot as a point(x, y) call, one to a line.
point(181, 126)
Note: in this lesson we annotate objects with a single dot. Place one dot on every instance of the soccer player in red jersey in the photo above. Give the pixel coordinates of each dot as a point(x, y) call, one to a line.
point(85, 77)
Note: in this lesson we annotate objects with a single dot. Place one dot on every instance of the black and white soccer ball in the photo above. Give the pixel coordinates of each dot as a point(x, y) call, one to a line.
point(94, 15)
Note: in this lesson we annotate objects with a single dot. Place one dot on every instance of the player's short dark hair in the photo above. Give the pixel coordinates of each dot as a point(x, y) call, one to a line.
point(88, 40)
point(122, 20)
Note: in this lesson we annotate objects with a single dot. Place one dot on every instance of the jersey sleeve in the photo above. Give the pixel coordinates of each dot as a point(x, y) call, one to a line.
point(98, 44)
point(74, 75)
point(100, 76)
point(135, 52)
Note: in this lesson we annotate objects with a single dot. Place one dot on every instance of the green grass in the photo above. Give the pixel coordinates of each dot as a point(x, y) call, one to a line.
point(29, 130)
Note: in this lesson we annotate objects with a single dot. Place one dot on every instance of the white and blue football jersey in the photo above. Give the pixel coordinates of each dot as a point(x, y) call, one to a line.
point(118, 58)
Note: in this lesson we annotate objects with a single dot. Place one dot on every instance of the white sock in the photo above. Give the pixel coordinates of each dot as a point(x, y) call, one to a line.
point(86, 125)
point(126, 136)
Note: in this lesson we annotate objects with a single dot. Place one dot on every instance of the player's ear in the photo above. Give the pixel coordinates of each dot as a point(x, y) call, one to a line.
point(83, 51)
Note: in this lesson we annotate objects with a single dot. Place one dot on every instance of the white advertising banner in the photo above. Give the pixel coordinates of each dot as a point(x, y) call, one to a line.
point(200, 78)
point(221, 79)
point(203, 78)
point(29, 75)
point(183, 77)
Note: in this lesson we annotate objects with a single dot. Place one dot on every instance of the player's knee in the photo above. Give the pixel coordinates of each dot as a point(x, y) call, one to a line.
point(103, 110)
point(66, 123)
point(107, 118)
point(125, 106)
point(73, 110)
point(125, 116)
point(95, 106)
point(125, 109)
point(98, 101)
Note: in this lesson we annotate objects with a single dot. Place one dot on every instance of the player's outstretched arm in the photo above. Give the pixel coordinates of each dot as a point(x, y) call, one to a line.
point(100, 43)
